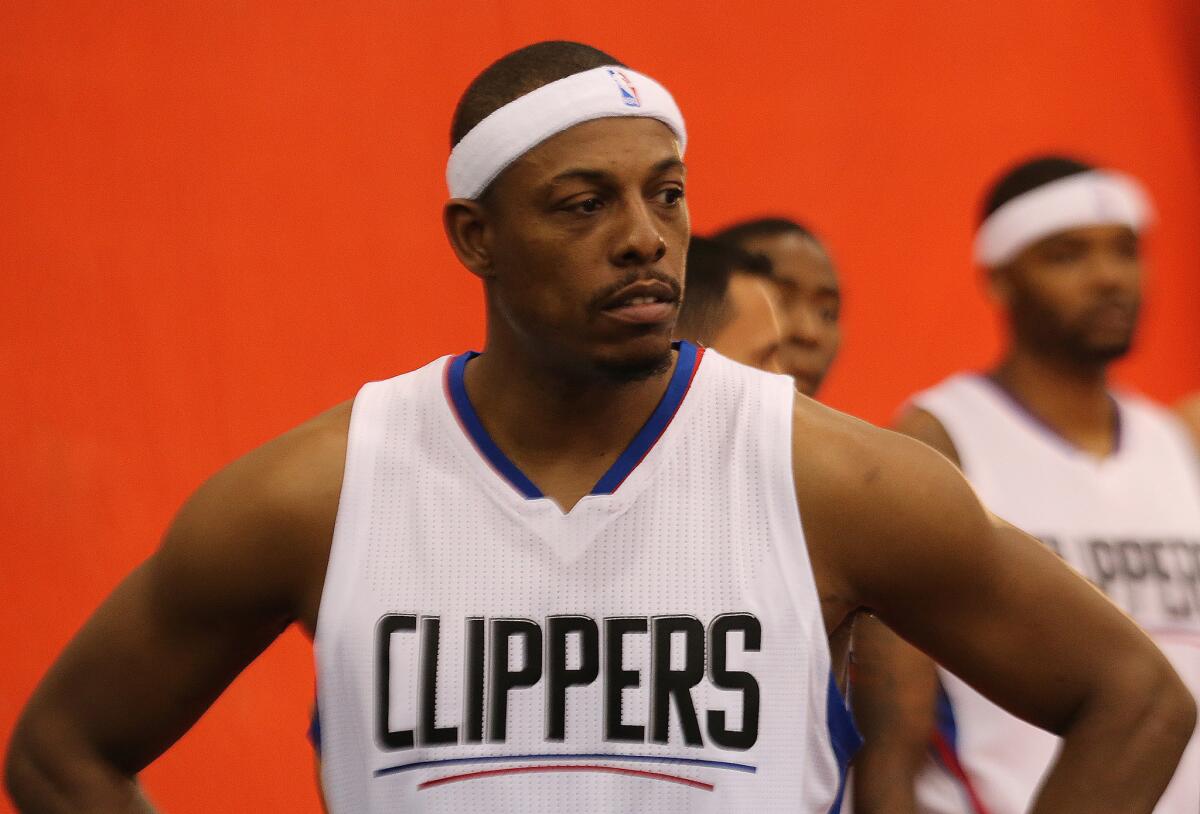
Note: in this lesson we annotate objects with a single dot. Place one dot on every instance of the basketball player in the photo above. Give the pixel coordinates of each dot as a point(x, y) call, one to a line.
point(530, 592)
point(811, 295)
point(732, 304)
point(1106, 479)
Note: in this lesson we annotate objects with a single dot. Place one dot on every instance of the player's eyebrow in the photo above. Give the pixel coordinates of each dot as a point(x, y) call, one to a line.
point(583, 174)
point(672, 163)
point(604, 176)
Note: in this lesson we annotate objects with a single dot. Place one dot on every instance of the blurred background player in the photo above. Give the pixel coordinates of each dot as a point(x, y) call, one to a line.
point(809, 290)
point(1105, 479)
point(732, 304)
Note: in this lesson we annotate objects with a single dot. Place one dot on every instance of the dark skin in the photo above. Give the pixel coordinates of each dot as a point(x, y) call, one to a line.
point(752, 333)
point(246, 555)
point(811, 300)
point(1072, 300)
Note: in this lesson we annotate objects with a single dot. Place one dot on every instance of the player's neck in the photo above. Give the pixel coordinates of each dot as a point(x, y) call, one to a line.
point(1071, 399)
point(563, 432)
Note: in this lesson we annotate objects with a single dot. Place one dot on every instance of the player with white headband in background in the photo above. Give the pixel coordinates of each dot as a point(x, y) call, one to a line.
point(1108, 480)
point(590, 568)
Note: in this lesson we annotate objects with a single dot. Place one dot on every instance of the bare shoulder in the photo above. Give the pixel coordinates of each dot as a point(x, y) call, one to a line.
point(925, 427)
point(875, 505)
point(264, 523)
point(854, 459)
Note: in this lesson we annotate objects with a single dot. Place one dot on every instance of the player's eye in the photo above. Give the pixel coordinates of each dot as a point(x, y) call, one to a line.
point(1127, 249)
point(1065, 252)
point(671, 196)
point(587, 206)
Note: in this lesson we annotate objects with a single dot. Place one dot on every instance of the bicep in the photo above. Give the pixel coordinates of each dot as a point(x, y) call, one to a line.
point(894, 687)
point(983, 599)
point(225, 582)
point(894, 700)
point(142, 670)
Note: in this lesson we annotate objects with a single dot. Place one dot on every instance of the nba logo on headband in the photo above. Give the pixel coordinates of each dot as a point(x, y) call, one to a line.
point(629, 94)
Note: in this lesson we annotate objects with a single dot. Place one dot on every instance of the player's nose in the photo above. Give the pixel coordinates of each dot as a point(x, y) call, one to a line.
point(640, 238)
point(803, 327)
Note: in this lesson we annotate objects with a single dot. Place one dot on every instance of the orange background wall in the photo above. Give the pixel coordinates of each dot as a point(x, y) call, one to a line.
point(217, 219)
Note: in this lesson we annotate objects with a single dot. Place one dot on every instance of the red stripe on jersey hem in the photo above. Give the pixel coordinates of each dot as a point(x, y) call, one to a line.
point(669, 778)
point(950, 760)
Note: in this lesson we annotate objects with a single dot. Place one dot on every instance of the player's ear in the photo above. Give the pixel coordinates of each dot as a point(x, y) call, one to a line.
point(999, 285)
point(469, 232)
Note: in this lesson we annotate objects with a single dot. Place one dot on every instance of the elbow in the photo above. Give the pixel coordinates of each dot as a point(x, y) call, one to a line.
point(50, 768)
point(24, 774)
point(1177, 710)
point(1172, 708)
point(43, 772)
point(1160, 710)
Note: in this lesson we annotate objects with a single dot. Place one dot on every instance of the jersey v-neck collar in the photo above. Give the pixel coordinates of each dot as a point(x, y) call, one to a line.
point(687, 363)
point(1043, 429)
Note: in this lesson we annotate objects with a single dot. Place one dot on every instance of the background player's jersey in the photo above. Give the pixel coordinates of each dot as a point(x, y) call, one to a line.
point(1130, 523)
point(659, 648)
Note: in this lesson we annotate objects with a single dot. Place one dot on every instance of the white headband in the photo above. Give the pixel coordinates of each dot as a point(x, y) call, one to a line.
point(524, 123)
point(1092, 198)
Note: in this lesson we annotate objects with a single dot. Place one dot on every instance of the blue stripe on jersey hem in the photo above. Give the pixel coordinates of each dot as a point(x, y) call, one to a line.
point(626, 462)
point(944, 713)
point(844, 737)
point(314, 729)
point(655, 425)
point(474, 427)
point(450, 761)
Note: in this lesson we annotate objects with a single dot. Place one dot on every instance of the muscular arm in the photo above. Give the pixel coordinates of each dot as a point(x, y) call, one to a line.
point(894, 694)
point(895, 687)
point(242, 560)
point(893, 527)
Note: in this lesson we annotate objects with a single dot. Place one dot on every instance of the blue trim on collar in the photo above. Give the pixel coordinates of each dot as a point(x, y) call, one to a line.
point(1025, 412)
point(474, 427)
point(655, 425)
point(627, 461)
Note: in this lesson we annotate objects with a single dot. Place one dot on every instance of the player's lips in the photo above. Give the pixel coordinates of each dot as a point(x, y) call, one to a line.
point(648, 302)
point(1114, 316)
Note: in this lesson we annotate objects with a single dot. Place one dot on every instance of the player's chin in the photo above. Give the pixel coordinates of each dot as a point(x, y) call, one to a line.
point(635, 358)
point(1107, 348)
point(806, 382)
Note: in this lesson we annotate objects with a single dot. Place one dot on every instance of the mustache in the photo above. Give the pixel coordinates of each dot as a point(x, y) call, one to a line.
point(596, 303)
point(1131, 306)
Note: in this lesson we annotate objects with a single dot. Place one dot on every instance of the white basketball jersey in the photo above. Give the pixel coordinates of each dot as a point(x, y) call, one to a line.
point(1130, 523)
point(658, 648)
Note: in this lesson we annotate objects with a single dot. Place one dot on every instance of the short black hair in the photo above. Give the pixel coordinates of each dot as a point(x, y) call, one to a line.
point(1027, 176)
point(738, 233)
point(518, 73)
point(710, 265)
